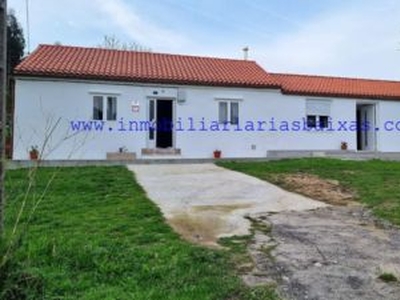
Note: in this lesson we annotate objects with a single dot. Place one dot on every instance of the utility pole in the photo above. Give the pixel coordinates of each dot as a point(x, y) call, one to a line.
point(3, 89)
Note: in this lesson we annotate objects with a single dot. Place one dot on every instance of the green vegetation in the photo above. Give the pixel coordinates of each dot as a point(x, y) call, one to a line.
point(388, 277)
point(376, 183)
point(95, 235)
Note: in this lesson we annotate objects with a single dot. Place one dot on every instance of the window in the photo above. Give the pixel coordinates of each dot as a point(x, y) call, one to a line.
point(111, 108)
point(318, 114)
point(234, 113)
point(228, 112)
point(311, 121)
point(98, 108)
point(319, 122)
point(323, 121)
point(223, 112)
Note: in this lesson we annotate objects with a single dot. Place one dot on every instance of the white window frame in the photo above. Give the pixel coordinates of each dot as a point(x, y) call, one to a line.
point(105, 107)
point(229, 116)
point(318, 108)
point(318, 122)
point(98, 110)
point(111, 110)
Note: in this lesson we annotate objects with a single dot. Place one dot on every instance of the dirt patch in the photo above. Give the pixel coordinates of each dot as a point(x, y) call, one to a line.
point(198, 228)
point(329, 254)
point(205, 224)
point(220, 208)
point(328, 191)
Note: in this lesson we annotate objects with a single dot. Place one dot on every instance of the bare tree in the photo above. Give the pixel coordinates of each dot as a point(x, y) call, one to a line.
point(3, 87)
point(112, 42)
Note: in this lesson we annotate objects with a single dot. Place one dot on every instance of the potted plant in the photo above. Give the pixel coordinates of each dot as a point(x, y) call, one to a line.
point(217, 153)
point(34, 153)
point(343, 145)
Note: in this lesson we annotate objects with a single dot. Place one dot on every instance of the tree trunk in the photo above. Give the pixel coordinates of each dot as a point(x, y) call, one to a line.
point(3, 92)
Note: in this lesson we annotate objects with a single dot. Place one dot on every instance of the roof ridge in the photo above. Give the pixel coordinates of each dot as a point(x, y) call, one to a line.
point(334, 77)
point(146, 52)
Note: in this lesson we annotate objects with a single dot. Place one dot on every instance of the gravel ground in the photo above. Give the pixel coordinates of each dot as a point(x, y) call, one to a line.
point(329, 253)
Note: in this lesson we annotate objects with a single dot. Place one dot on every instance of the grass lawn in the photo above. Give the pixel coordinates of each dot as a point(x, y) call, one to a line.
point(376, 183)
point(95, 235)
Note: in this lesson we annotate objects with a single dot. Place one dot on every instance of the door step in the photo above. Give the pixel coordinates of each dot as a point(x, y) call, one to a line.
point(161, 151)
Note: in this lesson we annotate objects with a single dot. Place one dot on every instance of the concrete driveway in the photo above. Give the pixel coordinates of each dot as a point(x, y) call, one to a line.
point(204, 202)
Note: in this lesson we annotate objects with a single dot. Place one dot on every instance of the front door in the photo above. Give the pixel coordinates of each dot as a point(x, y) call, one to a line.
point(161, 115)
point(366, 133)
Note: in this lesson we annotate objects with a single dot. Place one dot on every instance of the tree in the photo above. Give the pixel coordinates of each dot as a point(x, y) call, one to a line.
point(112, 42)
point(3, 74)
point(15, 42)
point(15, 52)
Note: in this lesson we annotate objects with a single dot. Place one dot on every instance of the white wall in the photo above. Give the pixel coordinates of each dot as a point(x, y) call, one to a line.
point(39, 104)
point(388, 120)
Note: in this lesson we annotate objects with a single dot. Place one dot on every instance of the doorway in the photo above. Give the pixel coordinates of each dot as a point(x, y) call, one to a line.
point(161, 113)
point(366, 134)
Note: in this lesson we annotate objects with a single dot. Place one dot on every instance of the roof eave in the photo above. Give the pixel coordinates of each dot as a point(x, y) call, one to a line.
point(340, 95)
point(22, 74)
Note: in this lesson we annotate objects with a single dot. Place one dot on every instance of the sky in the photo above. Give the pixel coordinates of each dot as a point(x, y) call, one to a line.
point(352, 38)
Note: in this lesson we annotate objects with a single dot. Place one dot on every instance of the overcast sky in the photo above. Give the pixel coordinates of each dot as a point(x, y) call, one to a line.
point(357, 38)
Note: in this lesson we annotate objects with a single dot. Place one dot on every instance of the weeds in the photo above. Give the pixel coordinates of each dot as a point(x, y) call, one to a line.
point(388, 277)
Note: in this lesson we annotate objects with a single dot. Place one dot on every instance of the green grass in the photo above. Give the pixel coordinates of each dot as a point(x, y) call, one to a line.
point(377, 183)
point(95, 235)
point(388, 277)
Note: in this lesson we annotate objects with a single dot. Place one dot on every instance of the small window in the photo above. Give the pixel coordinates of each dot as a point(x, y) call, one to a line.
point(323, 122)
point(223, 112)
point(319, 122)
point(97, 108)
point(318, 112)
point(111, 108)
point(234, 113)
point(311, 121)
point(228, 112)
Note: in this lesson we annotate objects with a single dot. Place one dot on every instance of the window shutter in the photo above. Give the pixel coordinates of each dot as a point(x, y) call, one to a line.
point(318, 107)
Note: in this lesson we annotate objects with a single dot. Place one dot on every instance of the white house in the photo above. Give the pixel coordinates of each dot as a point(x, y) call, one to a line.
point(82, 103)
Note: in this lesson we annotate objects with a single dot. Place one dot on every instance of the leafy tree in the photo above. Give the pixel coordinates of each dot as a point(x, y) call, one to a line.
point(15, 42)
point(15, 53)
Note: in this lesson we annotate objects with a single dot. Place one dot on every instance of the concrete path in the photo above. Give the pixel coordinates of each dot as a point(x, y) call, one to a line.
point(204, 202)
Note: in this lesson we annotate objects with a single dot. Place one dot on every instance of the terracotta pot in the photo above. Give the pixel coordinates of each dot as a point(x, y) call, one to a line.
point(217, 154)
point(8, 149)
point(34, 155)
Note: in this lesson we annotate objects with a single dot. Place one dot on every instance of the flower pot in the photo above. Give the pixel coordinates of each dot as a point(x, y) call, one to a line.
point(8, 148)
point(34, 155)
point(343, 146)
point(217, 154)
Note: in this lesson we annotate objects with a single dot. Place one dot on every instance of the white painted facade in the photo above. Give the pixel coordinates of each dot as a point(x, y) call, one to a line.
point(45, 108)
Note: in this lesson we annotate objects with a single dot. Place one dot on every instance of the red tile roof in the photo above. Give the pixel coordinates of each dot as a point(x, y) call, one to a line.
point(308, 85)
point(117, 65)
point(129, 66)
